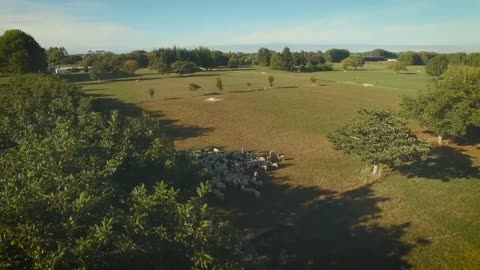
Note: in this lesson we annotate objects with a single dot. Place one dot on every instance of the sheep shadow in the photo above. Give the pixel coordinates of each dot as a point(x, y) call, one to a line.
point(446, 163)
point(295, 227)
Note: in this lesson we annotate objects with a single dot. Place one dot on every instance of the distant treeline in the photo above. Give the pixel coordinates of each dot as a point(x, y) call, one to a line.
point(422, 57)
point(20, 53)
point(163, 59)
point(297, 61)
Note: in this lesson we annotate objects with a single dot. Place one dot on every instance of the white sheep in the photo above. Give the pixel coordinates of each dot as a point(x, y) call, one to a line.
point(274, 165)
point(264, 168)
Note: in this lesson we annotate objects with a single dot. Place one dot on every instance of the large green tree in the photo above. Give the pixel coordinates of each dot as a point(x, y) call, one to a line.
point(378, 137)
point(353, 61)
point(397, 66)
point(233, 62)
point(83, 192)
point(20, 53)
point(162, 59)
point(410, 58)
point(287, 59)
point(383, 53)
point(184, 67)
point(450, 105)
point(276, 62)
point(57, 55)
point(140, 56)
point(426, 56)
point(130, 66)
point(437, 66)
point(263, 57)
point(336, 55)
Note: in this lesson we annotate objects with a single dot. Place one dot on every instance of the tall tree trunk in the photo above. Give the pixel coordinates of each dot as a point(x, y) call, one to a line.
point(440, 139)
point(375, 168)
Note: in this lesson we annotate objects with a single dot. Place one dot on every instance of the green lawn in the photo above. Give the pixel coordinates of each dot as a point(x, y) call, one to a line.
point(316, 212)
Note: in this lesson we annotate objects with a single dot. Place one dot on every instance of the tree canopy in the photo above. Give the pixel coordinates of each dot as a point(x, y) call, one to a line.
point(233, 62)
point(353, 61)
point(450, 105)
point(437, 66)
point(263, 57)
point(84, 190)
point(130, 66)
point(336, 55)
point(383, 53)
point(378, 136)
point(184, 67)
point(410, 58)
point(397, 66)
point(56, 55)
point(20, 53)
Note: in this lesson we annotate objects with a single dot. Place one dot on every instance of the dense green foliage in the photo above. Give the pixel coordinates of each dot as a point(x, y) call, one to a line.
point(437, 66)
point(382, 53)
point(184, 67)
point(397, 66)
point(130, 66)
point(301, 61)
point(140, 56)
point(263, 57)
point(378, 136)
point(162, 59)
point(56, 55)
point(20, 53)
point(353, 61)
point(450, 105)
point(106, 65)
point(82, 190)
point(410, 58)
point(233, 62)
point(336, 55)
point(426, 56)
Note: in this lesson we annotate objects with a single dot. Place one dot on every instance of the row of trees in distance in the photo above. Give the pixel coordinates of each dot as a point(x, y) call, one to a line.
point(20, 53)
point(302, 61)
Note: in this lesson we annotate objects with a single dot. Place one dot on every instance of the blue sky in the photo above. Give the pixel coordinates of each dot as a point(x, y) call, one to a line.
point(121, 26)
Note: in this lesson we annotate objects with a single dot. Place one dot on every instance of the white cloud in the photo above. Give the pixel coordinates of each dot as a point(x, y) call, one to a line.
point(61, 25)
point(56, 26)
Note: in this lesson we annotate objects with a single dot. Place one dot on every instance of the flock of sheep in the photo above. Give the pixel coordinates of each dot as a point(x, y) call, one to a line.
point(240, 170)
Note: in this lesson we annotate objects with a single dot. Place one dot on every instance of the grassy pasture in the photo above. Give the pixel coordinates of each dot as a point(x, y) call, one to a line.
point(317, 212)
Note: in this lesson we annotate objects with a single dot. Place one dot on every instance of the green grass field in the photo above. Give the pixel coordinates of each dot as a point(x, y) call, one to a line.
point(319, 211)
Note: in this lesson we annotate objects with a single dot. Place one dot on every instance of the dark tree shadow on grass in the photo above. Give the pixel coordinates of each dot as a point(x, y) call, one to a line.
point(206, 74)
point(448, 163)
point(287, 87)
point(471, 138)
point(314, 228)
point(173, 129)
point(134, 78)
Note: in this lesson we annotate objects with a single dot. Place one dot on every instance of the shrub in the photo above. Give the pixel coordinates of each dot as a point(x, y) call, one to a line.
point(80, 190)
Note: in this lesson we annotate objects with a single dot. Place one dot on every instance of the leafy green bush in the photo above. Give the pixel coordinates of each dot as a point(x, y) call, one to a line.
point(79, 190)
